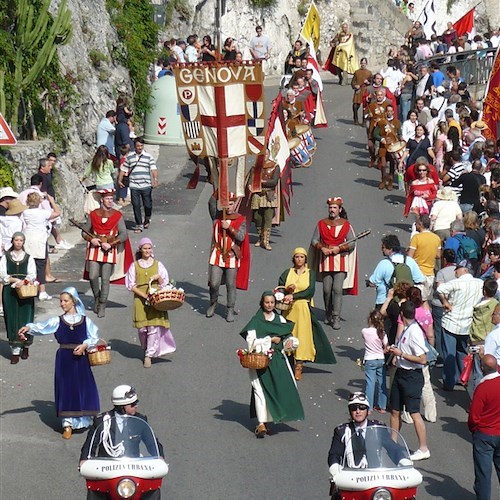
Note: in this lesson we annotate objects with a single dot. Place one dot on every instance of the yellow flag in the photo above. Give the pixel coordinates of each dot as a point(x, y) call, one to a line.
point(311, 28)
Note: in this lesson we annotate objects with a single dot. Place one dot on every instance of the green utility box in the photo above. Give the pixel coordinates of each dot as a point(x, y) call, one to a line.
point(163, 121)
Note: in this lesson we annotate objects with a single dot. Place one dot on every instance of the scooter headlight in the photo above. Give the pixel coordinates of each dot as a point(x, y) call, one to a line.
point(382, 494)
point(126, 488)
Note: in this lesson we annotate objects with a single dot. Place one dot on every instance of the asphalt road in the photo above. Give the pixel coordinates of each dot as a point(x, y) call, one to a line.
point(197, 399)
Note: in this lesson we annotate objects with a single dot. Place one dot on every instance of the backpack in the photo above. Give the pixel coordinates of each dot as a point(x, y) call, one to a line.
point(467, 248)
point(402, 272)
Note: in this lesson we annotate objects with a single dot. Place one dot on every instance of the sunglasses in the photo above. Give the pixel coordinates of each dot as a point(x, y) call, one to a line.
point(357, 407)
point(134, 404)
point(420, 170)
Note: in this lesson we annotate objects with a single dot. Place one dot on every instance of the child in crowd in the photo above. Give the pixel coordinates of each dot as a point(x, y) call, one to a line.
point(375, 346)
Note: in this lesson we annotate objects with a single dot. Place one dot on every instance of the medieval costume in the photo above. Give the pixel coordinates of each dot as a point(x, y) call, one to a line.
point(109, 253)
point(265, 202)
point(335, 260)
point(229, 258)
point(274, 392)
point(153, 325)
point(15, 267)
point(299, 282)
point(359, 83)
point(342, 55)
point(76, 396)
point(387, 132)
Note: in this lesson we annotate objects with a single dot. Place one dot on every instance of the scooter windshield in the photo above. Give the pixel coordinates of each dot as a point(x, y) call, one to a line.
point(376, 447)
point(123, 436)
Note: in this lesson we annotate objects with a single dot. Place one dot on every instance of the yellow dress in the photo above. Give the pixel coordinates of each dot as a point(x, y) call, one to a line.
point(300, 314)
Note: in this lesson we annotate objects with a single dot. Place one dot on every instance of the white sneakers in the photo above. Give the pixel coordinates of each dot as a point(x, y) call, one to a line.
point(44, 296)
point(64, 245)
point(420, 455)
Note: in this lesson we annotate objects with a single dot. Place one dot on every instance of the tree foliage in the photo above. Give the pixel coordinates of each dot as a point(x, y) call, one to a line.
point(138, 32)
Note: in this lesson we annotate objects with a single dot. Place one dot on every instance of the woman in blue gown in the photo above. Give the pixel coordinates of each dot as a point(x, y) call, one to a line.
point(76, 396)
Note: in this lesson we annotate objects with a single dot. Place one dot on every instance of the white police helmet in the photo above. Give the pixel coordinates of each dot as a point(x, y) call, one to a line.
point(123, 395)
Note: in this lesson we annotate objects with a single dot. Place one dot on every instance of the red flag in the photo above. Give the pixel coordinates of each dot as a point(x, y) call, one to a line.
point(491, 106)
point(465, 24)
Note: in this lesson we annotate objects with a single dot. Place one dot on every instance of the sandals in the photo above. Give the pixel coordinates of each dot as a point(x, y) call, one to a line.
point(298, 371)
point(147, 223)
point(260, 431)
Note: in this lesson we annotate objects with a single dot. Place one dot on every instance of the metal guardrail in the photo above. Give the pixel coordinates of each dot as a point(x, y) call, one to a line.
point(474, 67)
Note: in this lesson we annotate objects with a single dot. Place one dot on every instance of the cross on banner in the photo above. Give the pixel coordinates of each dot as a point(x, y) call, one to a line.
point(220, 126)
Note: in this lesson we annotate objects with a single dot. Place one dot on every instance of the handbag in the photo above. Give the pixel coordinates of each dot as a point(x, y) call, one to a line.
point(467, 370)
point(126, 177)
point(431, 354)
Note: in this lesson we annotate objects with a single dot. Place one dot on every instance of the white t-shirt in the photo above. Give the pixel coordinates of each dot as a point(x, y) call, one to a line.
point(37, 218)
point(445, 212)
point(411, 342)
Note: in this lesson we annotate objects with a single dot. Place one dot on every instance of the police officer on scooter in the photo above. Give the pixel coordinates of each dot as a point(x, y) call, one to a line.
point(127, 433)
point(351, 435)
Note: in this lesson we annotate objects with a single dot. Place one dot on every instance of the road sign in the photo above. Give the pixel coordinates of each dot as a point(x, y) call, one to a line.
point(7, 138)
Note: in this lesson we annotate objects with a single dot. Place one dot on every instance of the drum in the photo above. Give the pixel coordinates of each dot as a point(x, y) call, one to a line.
point(305, 135)
point(299, 154)
point(397, 150)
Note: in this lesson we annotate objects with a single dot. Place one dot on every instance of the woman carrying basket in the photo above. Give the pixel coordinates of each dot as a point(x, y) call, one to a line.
point(274, 392)
point(16, 266)
point(299, 282)
point(76, 396)
point(153, 325)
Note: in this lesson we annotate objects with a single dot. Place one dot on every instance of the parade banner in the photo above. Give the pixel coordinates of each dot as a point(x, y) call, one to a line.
point(491, 105)
point(222, 108)
point(311, 28)
point(222, 112)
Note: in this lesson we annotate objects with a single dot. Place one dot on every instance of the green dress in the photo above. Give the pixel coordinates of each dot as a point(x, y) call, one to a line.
point(147, 315)
point(280, 391)
point(308, 330)
point(17, 312)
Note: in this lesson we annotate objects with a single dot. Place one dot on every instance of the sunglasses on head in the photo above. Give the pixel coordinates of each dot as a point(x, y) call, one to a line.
point(130, 393)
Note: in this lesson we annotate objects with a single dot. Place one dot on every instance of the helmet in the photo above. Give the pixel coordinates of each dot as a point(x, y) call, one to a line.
point(358, 398)
point(123, 395)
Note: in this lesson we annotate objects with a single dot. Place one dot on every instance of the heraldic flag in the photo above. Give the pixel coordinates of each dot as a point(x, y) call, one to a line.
point(222, 112)
point(312, 24)
point(491, 104)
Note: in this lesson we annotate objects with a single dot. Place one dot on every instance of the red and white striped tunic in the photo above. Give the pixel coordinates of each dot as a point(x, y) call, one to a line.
point(334, 235)
point(220, 242)
point(103, 226)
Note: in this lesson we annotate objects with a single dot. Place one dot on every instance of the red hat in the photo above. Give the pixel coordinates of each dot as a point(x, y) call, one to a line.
point(334, 200)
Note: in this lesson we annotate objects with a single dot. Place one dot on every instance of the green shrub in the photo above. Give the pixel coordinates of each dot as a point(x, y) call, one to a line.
point(97, 57)
point(6, 177)
point(138, 34)
point(262, 3)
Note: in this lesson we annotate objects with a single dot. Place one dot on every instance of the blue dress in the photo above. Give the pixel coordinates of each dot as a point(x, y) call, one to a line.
point(74, 385)
point(76, 395)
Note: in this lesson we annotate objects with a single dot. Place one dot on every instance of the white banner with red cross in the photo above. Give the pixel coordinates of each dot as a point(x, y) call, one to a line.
point(222, 112)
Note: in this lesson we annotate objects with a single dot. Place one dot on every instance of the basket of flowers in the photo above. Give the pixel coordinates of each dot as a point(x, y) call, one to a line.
point(28, 289)
point(100, 354)
point(255, 360)
point(282, 304)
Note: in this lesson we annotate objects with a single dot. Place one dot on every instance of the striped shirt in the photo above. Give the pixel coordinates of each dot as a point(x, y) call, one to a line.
point(141, 165)
point(463, 294)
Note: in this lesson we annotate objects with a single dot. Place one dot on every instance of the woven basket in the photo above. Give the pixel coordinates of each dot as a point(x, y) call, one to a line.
point(27, 291)
point(97, 357)
point(280, 305)
point(254, 360)
point(167, 300)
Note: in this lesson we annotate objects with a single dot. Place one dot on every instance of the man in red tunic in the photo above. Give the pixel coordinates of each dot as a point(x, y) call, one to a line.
point(229, 257)
point(108, 251)
point(337, 266)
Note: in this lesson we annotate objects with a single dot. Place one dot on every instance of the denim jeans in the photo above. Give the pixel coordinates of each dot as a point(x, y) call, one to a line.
point(486, 450)
point(375, 374)
point(141, 197)
point(437, 318)
point(454, 352)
